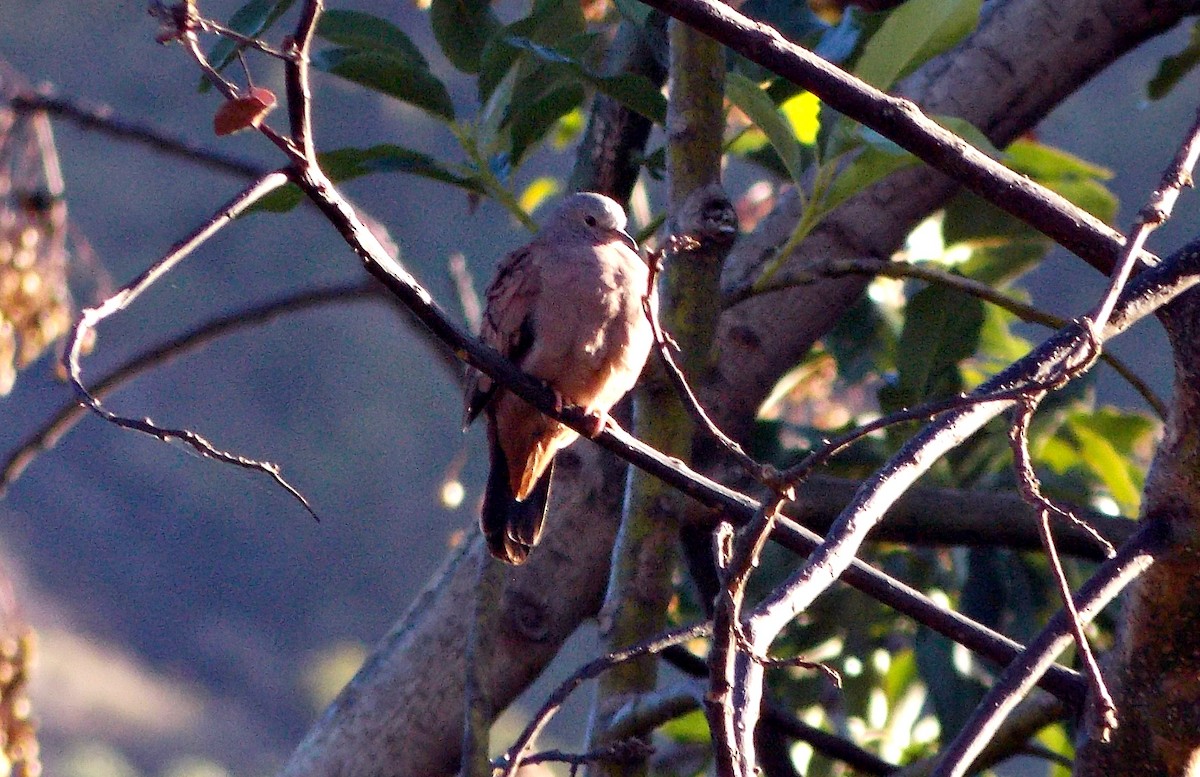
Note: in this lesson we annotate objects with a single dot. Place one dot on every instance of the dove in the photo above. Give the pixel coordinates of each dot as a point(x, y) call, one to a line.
point(566, 309)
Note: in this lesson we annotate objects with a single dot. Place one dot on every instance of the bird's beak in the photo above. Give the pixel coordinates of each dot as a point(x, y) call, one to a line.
point(627, 239)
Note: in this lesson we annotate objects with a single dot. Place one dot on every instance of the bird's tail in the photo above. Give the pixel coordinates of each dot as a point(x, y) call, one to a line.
point(512, 528)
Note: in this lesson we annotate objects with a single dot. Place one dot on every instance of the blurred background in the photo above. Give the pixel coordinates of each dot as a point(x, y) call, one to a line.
point(192, 618)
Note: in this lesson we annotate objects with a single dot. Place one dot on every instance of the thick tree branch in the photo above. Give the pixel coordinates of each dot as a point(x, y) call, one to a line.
point(1023, 64)
point(902, 121)
point(1025, 57)
point(1133, 559)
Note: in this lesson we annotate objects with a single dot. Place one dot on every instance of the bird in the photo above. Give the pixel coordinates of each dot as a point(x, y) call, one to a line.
point(567, 309)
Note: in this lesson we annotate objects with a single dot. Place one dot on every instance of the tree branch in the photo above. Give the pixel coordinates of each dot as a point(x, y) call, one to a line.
point(901, 121)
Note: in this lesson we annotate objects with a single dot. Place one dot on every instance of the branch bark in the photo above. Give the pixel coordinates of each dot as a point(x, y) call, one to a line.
point(1154, 666)
point(1004, 79)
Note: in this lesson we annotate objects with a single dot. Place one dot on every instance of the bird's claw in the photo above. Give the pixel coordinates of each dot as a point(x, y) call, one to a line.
point(595, 424)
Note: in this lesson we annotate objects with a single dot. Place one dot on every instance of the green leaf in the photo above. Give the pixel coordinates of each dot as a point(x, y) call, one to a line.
point(495, 113)
point(941, 328)
point(1107, 465)
point(462, 29)
point(551, 22)
point(914, 33)
point(803, 113)
point(1044, 163)
point(970, 133)
point(528, 122)
point(883, 156)
point(1005, 247)
point(409, 81)
point(1130, 432)
point(537, 192)
point(635, 92)
point(634, 11)
point(973, 220)
point(397, 159)
point(1076, 179)
point(689, 728)
point(1114, 446)
point(251, 20)
point(861, 341)
point(1058, 455)
point(901, 673)
point(1172, 69)
point(347, 163)
point(873, 164)
point(755, 103)
point(1091, 196)
point(362, 31)
point(1058, 740)
point(996, 339)
point(954, 696)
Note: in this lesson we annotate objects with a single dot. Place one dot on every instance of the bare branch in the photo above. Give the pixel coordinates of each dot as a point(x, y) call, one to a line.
point(1057, 357)
point(64, 420)
point(90, 317)
point(1031, 490)
point(464, 286)
point(101, 118)
point(298, 88)
point(1152, 215)
point(590, 671)
point(680, 244)
point(1133, 559)
point(1026, 312)
point(901, 121)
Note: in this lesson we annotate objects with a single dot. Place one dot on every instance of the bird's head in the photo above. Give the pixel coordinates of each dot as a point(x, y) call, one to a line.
point(593, 214)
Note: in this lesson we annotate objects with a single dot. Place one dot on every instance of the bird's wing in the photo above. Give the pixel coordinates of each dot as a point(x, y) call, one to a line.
point(507, 321)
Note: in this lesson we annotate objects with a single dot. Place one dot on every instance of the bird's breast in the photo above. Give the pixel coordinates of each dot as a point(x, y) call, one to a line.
point(596, 337)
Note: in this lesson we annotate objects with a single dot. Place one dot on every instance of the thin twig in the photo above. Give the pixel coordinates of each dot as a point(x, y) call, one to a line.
point(192, 43)
point(664, 344)
point(245, 41)
point(1152, 215)
point(101, 118)
point(823, 742)
point(589, 671)
point(299, 90)
point(1031, 490)
point(645, 712)
point(626, 751)
point(1131, 561)
point(464, 287)
point(926, 412)
point(48, 435)
point(903, 122)
point(1024, 311)
point(90, 317)
point(736, 555)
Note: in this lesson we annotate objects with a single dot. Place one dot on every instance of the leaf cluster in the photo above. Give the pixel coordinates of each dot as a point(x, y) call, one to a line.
point(908, 342)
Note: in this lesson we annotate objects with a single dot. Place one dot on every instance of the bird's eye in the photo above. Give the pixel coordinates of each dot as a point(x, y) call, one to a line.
point(590, 220)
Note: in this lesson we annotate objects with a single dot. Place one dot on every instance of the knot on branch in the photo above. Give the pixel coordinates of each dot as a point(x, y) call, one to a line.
point(526, 616)
point(175, 21)
point(707, 217)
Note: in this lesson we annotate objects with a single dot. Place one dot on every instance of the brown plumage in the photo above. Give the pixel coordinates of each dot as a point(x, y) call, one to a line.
point(566, 308)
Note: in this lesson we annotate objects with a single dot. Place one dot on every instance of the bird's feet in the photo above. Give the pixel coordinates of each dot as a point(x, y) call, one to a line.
point(596, 423)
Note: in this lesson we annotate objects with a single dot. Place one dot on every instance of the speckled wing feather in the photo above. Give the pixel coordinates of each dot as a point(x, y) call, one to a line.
point(507, 323)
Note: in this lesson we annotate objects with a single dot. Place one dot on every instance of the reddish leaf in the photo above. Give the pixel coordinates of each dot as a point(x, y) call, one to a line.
point(244, 112)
